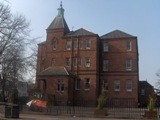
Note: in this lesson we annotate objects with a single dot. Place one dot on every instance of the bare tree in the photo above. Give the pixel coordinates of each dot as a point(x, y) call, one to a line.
point(15, 39)
point(158, 81)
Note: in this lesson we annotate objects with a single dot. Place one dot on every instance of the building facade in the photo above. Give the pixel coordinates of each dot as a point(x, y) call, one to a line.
point(145, 91)
point(119, 70)
point(73, 66)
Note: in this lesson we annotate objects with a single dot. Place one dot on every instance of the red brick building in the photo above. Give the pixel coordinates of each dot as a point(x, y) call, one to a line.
point(119, 67)
point(72, 66)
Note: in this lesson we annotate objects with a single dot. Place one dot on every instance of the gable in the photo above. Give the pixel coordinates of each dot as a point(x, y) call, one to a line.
point(116, 34)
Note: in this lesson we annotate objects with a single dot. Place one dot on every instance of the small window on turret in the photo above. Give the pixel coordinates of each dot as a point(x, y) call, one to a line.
point(54, 44)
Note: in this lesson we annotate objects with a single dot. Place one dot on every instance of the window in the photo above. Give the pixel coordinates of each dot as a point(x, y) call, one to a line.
point(87, 83)
point(105, 65)
point(88, 44)
point(68, 45)
point(53, 62)
point(67, 62)
point(75, 43)
point(60, 86)
point(79, 61)
point(128, 85)
point(116, 85)
point(42, 85)
point(142, 91)
point(128, 45)
point(75, 62)
point(80, 44)
point(77, 84)
point(105, 47)
point(105, 84)
point(54, 44)
point(87, 62)
point(128, 65)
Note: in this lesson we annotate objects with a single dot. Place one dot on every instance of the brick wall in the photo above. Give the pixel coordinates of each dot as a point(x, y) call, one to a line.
point(117, 56)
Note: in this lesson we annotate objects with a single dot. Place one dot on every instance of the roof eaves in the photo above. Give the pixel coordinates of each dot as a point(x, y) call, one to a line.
point(66, 71)
point(42, 43)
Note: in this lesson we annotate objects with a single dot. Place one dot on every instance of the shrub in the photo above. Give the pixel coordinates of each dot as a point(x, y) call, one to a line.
point(151, 103)
point(102, 100)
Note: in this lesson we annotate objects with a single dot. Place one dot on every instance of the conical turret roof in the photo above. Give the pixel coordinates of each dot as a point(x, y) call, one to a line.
point(59, 21)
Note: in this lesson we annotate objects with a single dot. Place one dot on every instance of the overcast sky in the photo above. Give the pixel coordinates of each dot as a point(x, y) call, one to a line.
point(140, 18)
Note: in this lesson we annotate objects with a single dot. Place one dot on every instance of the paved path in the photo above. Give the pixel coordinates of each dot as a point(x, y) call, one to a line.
point(49, 117)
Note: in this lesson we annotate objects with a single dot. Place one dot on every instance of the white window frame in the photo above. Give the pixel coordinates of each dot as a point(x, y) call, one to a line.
point(79, 61)
point(117, 85)
point(75, 44)
point(105, 47)
point(128, 46)
point(128, 65)
point(88, 44)
point(87, 62)
point(75, 62)
point(129, 85)
point(67, 61)
point(68, 44)
point(105, 65)
point(80, 44)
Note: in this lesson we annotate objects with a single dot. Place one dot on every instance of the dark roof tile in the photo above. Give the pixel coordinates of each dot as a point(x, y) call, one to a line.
point(116, 34)
point(54, 71)
point(42, 43)
point(144, 83)
point(80, 32)
point(59, 22)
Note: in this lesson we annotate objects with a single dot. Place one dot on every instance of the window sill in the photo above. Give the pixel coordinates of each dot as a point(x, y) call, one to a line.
point(77, 89)
point(60, 91)
point(128, 69)
point(86, 89)
point(129, 90)
point(116, 90)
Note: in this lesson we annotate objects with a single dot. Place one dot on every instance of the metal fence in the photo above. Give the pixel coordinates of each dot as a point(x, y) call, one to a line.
point(113, 111)
point(81, 110)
